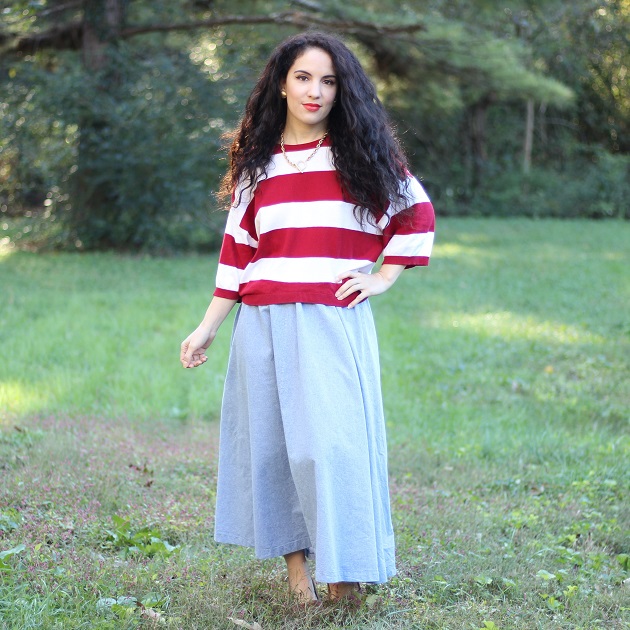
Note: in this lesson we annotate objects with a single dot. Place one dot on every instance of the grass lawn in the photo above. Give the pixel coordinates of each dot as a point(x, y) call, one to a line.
point(507, 393)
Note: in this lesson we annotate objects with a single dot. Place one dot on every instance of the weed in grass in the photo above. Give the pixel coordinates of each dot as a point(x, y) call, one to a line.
point(145, 540)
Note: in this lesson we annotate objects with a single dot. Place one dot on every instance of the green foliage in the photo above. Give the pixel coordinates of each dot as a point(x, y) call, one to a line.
point(9, 520)
point(156, 152)
point(146, 540)
point(483, 62)
point(149, 156)
point(6, 555)
point(598, 188)
point(129, 608)
point(35, 145)
point(498, 56)
point(587, 48)
point(128, 157)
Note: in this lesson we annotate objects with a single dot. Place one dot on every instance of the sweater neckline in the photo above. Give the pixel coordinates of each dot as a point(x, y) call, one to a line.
point(304, 145)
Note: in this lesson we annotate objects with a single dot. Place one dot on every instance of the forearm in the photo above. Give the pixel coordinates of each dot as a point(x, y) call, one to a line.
point(218, 310)
point(390, 273)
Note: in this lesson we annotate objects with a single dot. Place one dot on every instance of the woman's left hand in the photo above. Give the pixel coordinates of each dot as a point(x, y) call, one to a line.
point(367, 284)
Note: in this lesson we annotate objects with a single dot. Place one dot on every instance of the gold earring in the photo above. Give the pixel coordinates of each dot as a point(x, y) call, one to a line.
point(283, 93)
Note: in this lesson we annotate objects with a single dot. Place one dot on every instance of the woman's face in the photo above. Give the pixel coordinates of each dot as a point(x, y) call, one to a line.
point(311, 87)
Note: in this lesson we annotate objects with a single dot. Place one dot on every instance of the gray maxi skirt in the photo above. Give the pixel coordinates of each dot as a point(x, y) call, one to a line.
point(303, 454)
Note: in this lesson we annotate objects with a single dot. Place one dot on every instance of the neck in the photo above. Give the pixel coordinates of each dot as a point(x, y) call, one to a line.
point(302, 135)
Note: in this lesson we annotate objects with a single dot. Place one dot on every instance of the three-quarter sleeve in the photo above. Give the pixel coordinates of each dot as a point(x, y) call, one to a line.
point(408, 238)
point(238, 247)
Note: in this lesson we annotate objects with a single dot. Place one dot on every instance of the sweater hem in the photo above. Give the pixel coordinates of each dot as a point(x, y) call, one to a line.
point(227, 294)
point(264, 299)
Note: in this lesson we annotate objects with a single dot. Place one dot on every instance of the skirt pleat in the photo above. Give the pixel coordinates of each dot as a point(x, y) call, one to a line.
point(303, 453)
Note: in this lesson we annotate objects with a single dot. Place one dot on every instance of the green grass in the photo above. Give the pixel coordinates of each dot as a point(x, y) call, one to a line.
point(505, 376)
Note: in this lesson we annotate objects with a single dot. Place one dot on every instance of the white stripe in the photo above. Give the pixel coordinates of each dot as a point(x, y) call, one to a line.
point(228, 277)
point(321, 161)
point(414, 194)
point(410, 245)
point(416, 191)
point(241, 236)
point(245, 194)
point(303, 269)
point(335, 214)
point(385, 219)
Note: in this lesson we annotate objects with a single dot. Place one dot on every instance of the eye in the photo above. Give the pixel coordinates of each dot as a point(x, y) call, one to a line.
point(329, 81)
point(302, 77)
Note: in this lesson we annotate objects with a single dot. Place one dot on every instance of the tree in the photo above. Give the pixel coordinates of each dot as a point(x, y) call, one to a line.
point(111, 108)
point(107, 208)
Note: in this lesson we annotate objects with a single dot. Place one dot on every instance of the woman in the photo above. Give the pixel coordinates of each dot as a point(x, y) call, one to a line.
point(319, 190)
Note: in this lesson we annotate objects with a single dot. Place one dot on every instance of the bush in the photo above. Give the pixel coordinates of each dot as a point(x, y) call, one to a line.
point(597, 188)
point(132, 167)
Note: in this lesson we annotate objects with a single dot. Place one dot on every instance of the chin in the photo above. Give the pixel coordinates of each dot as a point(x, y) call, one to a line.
point(316, 119)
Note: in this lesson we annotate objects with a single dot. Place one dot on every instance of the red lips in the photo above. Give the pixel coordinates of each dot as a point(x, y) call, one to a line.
point(312, 107)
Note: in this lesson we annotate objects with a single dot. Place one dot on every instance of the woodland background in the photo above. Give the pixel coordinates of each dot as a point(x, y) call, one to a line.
point(112, 112)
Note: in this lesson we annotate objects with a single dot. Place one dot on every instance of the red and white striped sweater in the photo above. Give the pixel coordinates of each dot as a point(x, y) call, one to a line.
point(289, 238)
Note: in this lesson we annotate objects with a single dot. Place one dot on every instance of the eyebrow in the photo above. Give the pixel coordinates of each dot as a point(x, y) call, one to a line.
point(327, 76)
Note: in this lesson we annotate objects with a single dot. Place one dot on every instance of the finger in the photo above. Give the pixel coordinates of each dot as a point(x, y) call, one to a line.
point(187, 354)
point(188, 359)
point(342, 295)
point(362, 296)
point(351, 286)
point(348, 274)
point(199, 359)
point(365, 287)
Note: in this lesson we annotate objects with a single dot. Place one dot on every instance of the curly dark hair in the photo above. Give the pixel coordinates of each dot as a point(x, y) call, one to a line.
point(370, 163)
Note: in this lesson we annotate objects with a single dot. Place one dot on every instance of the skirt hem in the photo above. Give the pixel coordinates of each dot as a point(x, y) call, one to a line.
point(268, 552)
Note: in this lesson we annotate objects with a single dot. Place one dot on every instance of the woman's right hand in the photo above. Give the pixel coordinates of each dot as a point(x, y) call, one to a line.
point(193, 348)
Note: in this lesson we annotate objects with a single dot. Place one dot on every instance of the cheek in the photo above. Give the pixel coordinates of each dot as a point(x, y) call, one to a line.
point(297, 87)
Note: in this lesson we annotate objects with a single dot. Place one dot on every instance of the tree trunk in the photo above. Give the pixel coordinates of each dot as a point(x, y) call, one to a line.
point(542, 125)
point(94, 210)
point(478, 116)
point(529, 137)
point(102, 25)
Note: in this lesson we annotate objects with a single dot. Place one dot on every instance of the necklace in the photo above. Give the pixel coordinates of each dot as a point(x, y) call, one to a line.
point(301, 165)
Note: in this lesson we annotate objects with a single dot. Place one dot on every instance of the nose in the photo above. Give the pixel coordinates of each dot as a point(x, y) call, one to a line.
point(314, 90)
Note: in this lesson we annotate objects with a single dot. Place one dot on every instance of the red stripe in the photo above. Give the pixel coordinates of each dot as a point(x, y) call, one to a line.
point(264, 292)
point(319, 242)
point(235, 254)
point(297, 187)
point(224, 293)
point(248, 222)
point(408, 261)
point(422, 220)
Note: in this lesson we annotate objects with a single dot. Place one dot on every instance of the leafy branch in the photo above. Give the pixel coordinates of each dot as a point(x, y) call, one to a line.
point(70, 36)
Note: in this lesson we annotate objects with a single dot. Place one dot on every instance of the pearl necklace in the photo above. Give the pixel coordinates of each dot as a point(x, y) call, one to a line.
point(301, 165)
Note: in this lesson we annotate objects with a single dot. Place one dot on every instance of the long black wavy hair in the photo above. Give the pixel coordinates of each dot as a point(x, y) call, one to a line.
point(370, 163)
